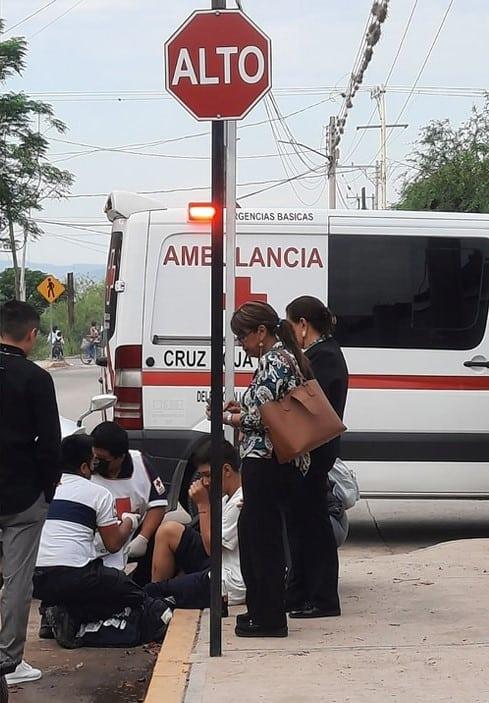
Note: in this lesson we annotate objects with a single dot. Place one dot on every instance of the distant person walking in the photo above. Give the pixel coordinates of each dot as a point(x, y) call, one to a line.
point(266, 483)
point(29, 471)
point(312, 590)
point(94, 339)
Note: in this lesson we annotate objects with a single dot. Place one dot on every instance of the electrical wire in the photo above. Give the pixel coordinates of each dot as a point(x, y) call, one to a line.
point(277, 184)
point(63, 14)
point(418, 76)
point(28, 17)
point(173, 140)
point(386, 82)
point(423, 65)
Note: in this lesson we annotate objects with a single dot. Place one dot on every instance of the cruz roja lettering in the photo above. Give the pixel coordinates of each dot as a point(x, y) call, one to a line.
point(200, 359)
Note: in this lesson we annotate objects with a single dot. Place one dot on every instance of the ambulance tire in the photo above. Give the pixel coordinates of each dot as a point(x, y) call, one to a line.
point(3, 690)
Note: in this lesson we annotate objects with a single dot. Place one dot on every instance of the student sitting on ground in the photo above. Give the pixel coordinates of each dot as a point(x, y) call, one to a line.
point(180, 548)
point(68, 575)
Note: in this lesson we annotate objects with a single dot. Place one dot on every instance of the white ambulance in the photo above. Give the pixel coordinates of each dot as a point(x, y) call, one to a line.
point(411, 294)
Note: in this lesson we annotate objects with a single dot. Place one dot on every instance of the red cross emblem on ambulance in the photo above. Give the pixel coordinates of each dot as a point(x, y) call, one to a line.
point(244, 294)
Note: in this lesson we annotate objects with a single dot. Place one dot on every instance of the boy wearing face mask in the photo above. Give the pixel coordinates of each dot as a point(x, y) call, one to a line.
point(134, 485)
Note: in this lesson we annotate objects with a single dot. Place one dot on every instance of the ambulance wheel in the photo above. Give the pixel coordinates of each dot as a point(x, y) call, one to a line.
point(3, 690)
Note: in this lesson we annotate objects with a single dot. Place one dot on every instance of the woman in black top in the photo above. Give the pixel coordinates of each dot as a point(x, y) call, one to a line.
point(312, 589)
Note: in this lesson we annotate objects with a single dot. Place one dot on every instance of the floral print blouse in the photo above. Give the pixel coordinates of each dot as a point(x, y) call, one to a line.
point(277, 374)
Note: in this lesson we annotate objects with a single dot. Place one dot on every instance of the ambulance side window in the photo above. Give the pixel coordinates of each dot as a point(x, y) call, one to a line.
point(409, 292)
point(113, 265)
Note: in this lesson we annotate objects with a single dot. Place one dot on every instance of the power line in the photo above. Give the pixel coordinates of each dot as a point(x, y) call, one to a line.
point(28, 17)
point(185, 137)
point(63, 14)
point(277, 184)
point(386, 82)
point(423, 65)
point(187, 189)
point(419, 74)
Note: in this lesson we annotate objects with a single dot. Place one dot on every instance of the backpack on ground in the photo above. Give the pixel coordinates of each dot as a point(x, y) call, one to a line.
point(344, 484)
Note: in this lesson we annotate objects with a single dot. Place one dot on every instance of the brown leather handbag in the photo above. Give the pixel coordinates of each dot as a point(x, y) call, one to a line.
point(301, 421)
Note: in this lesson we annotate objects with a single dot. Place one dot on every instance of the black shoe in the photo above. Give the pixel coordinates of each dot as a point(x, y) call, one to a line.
point(3, 690)
point(45, 629)
point(250, 629)
point(311, 611)
point(63, 626)
point(243, 618)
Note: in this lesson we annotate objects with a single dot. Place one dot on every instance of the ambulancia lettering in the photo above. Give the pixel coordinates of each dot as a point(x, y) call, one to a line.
point(258, 257)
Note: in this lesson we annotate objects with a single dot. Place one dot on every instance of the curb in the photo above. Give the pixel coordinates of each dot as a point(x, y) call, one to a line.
point(172, 669)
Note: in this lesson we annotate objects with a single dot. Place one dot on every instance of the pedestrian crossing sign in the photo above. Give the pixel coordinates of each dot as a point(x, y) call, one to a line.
point(51, 289)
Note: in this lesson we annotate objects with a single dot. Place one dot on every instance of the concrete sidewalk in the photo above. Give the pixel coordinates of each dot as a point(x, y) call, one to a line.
point(414, 629)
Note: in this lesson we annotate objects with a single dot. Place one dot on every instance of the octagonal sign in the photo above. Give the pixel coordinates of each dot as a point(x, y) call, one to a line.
point(218, 64)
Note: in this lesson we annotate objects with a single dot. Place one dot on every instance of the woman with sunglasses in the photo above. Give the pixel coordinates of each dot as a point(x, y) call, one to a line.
point(281, 367)
point(312, 588)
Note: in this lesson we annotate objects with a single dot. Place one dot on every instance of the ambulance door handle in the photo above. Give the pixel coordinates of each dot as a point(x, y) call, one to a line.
point(477, 364)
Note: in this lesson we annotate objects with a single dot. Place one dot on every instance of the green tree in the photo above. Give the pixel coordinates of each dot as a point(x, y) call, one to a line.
point(32, 280)
point(450, 166)
point(26, 176)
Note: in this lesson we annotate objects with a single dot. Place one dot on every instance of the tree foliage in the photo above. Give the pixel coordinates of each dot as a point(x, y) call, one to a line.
point(26, 176)
point(449, 168)
point(32, 280)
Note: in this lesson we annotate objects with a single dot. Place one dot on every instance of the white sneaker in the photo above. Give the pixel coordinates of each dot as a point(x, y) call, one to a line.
point(23, 673)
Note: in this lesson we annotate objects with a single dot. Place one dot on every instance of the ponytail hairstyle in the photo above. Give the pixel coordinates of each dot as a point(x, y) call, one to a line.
point(250, 316)
point(313, 311)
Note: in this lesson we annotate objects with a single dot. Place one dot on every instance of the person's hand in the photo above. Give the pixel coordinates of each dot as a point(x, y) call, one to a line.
point(199, 493)
point(232, 406)
point(137, 547)
point(133, 517)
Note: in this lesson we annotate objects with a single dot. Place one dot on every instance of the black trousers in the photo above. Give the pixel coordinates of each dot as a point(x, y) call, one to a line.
point(314, 555)
point(190, 591)
point(90, 593)
point(266, 493)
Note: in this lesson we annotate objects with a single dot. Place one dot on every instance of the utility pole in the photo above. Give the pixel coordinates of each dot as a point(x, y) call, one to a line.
point(377, 185)
point(364, 198)
point(70, 292)
point(22, 288)
point(378, 94)
point(333, 154)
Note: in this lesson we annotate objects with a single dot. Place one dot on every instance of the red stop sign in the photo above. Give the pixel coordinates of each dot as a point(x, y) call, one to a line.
point(218, 64)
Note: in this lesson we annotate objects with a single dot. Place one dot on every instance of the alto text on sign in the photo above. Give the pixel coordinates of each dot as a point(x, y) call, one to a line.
point(218, 64)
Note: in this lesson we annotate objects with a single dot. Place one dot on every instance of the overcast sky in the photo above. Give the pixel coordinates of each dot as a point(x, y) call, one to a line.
point(101, 66)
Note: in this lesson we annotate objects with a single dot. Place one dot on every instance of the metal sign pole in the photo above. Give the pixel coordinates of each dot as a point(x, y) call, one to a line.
point(217, 364)
point(231, 129)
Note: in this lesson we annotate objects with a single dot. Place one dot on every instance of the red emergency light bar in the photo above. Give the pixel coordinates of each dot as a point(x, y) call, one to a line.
point(201, 212)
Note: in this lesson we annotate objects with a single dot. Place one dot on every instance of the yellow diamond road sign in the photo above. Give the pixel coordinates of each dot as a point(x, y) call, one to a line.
point(51, 289)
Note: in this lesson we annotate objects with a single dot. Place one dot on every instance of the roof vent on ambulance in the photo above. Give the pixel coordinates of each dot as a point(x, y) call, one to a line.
point(123, 204)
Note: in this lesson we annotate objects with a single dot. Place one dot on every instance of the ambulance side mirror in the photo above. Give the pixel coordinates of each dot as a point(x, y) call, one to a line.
point(98, 403)
point(102, 402)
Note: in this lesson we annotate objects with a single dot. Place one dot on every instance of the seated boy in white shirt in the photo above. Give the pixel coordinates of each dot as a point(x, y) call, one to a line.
point(180, 548)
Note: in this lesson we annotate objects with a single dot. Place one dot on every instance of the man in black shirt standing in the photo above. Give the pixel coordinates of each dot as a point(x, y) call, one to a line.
point(29, 472)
